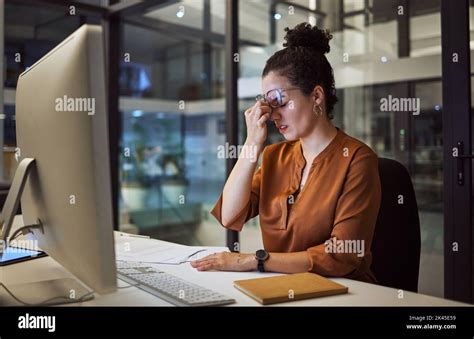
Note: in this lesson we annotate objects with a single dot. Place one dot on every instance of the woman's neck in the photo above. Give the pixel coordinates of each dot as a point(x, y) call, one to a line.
point(318, 139)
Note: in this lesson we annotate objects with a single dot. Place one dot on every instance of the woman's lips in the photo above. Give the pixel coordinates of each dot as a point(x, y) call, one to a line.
point(282, 128)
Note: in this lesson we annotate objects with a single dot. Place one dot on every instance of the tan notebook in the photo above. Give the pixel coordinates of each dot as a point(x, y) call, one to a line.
point(289, 287)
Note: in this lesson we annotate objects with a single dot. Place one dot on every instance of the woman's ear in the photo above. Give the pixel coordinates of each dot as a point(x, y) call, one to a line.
point(318, 95)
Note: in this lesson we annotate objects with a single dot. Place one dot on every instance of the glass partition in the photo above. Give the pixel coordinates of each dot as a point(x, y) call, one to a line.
point(172, 101)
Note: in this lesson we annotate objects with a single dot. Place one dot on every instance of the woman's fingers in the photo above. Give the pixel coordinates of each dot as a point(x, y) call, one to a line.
point(255, 118)
point(204, 259)
point(262, 109)
point(214, 261)
point(206, 267)
point(248, 111)
point(207, 257)
point(201, 262)
point(212, 258)
point(265, 113)
point(263, 119)
point(256, 111)
point(223, 261)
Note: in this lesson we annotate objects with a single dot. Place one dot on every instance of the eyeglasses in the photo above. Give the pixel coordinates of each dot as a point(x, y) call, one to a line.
point(274, 97)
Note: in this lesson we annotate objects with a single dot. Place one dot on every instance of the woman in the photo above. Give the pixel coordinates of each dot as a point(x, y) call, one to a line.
point(317, 193)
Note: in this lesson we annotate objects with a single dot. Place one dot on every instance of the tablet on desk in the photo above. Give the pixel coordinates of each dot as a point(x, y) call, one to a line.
point(12, 255)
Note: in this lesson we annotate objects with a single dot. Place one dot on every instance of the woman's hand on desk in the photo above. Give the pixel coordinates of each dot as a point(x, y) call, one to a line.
point(226, 261)
point(295, 262)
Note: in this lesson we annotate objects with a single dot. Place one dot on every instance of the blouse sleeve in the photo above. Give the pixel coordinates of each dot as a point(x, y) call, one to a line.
point(249, 211)
point(355, 217)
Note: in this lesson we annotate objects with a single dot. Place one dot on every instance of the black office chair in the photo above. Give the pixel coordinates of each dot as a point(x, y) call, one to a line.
point(396, 243)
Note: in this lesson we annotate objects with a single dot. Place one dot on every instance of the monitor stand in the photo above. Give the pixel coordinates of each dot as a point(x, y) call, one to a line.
point(46, 292)
point(13, 198)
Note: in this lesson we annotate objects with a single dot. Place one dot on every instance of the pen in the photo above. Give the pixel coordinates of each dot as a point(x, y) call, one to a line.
point(199, 251)
point(134, 235)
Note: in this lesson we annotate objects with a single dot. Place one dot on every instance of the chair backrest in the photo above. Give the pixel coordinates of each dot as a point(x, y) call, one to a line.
point(396, 242)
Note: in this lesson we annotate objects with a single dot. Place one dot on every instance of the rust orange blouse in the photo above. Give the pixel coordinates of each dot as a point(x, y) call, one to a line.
point(334, 215)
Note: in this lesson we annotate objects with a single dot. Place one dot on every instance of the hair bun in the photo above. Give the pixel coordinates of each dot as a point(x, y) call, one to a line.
point(305, 35)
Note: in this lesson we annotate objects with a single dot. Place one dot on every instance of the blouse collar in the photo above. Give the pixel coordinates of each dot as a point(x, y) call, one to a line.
point(325, 152)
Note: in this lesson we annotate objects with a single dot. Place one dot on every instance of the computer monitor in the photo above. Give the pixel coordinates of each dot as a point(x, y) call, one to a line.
point(61, 123)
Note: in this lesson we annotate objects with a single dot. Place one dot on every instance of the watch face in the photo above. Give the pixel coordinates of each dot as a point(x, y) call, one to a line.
point(261, 255)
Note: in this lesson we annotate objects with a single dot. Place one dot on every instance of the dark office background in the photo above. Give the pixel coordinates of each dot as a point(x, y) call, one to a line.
point(171, 81)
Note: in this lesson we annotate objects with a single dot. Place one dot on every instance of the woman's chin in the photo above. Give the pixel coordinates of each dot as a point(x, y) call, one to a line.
point(290, 137)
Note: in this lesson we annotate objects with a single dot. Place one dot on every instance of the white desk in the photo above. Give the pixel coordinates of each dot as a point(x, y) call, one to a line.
point(360, 294)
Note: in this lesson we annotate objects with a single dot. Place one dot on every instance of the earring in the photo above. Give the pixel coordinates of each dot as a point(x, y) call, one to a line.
point(317, 110)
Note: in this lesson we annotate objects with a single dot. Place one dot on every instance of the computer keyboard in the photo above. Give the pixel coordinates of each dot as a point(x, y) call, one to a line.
point(168, 287)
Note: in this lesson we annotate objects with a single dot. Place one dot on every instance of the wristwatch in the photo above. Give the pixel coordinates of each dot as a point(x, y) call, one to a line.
point(261, 256)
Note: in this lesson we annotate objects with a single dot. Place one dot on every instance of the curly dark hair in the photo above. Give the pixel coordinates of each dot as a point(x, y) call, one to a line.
point(304, 63)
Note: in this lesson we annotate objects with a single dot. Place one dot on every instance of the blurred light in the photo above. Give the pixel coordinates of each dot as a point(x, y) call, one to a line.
point(255, 49)
point(137, 113)
point(437, 107)
point(277, 16)
point(179, 14)
point(384, 59)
